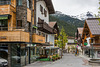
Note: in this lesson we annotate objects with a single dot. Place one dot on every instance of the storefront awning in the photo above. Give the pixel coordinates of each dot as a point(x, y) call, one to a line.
point(4, 17)
point(35, 27)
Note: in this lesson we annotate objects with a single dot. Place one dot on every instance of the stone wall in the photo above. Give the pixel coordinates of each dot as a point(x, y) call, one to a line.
point(21, 14)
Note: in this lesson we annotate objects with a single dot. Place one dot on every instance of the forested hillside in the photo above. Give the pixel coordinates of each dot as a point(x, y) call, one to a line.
point(70, 24)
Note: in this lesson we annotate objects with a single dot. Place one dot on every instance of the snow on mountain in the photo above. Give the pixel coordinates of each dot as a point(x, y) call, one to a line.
point(82, 16)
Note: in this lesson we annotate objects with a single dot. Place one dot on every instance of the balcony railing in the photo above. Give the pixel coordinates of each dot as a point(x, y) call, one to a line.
point(14, 36)
point(43, 26)
point(38, 38)
point(5, 2)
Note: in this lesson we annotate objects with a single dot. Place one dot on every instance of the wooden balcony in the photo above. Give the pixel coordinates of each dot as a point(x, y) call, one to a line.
point(43, 26)
point(6, 9)
point(38, 39)
point(14, 36)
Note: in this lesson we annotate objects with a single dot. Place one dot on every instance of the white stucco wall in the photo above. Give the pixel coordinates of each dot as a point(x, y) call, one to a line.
point(50, 37)
point(38, 12)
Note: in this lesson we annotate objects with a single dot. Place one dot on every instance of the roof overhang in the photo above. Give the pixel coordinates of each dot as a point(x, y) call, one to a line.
point(50, 7)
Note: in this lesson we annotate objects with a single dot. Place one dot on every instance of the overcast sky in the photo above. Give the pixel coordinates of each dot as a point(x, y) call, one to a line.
point(76, 7)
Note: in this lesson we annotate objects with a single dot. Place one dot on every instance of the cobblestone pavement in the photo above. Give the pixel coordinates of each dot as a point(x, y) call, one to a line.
point(68, 60)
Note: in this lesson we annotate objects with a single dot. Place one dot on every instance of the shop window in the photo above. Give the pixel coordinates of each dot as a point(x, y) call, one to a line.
point(3, 25)
point(15, 56)
point(41, 9)
point(19, 2)
point(19, 24)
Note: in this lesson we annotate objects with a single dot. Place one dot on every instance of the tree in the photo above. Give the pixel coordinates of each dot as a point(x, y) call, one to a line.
point(62, 40)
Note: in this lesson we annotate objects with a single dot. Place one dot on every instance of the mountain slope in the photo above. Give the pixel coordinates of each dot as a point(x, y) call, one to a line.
point(69, 29)
point(70, 24)
point(73, 21)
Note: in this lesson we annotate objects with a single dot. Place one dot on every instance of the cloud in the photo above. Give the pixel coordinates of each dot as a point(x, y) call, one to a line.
point(76, 7)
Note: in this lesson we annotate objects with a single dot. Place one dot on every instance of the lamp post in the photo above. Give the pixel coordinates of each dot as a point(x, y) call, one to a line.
point(92, 50)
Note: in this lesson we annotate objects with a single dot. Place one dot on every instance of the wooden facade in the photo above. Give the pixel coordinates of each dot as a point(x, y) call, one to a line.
point(38, 39)
point(7, 9)
point(95, 39)
point(14, 36)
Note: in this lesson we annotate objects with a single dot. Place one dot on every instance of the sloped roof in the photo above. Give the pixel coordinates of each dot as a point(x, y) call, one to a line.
point(94, 26)
point(50, 6)
point(80, 30)
point(52, 24)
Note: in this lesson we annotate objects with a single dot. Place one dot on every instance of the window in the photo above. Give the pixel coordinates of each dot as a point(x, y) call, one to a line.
point(19, 2)
point(45, 13)
point(29, 27)
point(39, 33)
point(46, 38)
point(3, 25)
point(41, 9)
point(4, 2)
point(27, 3)
point(19, 23)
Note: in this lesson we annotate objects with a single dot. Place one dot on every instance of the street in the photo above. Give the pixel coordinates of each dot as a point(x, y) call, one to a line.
point(68, 60)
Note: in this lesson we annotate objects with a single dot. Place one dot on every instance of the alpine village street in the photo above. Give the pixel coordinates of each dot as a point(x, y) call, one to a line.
point(34, 34)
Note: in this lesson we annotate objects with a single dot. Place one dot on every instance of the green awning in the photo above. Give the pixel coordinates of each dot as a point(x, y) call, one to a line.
point(35, 27)
point(85, 44)
point(3, 17)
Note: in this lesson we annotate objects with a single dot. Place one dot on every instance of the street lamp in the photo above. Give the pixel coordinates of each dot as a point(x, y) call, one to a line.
point(92, 50)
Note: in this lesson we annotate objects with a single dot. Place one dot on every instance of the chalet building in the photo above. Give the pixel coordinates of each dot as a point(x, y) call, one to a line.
point(91, 38)
point(53, 50)
point(78, 36)
point(25, 30)
point(71, 45)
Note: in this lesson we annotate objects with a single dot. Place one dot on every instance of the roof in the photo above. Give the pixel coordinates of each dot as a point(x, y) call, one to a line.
point(50, 6)
point(52, 24)
point(94, 26)
point(80, 30)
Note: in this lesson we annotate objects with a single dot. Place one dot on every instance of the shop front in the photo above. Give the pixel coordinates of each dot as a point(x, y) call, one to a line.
point(17, 55)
